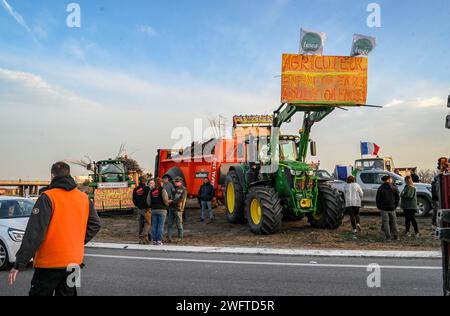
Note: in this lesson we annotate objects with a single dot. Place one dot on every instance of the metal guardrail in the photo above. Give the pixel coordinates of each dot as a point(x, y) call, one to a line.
point(13, 183)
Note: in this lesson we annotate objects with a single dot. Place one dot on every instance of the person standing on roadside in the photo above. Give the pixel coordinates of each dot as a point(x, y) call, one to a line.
point(409, 206)
point(168, 186)
point(140, 197)
point(388, 199)
point(414, 176)
point(353, 202)
point(159, 202)
point(206, 195)
point(435, 193)
point(62, 222)
point(176, 210)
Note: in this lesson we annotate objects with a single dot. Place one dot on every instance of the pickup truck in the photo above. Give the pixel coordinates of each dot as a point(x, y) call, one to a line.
point(370, 181)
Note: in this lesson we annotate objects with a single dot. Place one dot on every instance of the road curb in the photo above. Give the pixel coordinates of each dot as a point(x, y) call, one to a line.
point(271, 251)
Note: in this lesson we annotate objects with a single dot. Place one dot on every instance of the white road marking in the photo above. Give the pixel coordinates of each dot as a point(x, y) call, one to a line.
point(285, 264)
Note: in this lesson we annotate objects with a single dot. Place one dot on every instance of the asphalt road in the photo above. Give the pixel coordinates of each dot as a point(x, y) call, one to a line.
point(125, 272)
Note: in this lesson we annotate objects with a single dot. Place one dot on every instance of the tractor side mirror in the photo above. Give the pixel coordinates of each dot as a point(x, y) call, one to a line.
point(313, 148)
point(447, 123)
point(448, 102)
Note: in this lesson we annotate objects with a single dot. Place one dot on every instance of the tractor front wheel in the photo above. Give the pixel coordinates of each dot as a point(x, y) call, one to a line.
point(330, 209)
point(234, 199)
point(264, 210)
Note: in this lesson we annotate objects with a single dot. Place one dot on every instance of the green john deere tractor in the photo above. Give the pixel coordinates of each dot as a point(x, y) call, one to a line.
point(112, 186)
point(276, 182)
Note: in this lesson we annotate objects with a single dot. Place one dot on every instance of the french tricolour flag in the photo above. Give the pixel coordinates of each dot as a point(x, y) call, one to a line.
point(343, 172)
point(369, 149)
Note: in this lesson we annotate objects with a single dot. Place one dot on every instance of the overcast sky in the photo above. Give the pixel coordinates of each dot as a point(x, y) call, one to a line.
point(135, 70)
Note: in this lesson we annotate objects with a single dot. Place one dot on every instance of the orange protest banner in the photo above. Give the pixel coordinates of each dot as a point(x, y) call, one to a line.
point(310, 80)
point(113, 199)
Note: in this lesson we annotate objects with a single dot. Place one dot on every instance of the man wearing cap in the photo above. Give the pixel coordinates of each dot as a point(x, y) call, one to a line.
point(140, 195)
point(388, 199)
point(176, 210)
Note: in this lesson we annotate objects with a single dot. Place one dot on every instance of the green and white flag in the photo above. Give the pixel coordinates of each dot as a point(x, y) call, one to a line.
point(312, 42)
point(363, 45)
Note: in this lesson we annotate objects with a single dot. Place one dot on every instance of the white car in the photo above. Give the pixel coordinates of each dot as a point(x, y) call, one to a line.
point(14, 215)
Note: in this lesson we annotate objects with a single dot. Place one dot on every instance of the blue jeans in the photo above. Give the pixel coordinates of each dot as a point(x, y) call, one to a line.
point(206, 204)
point(158, 221)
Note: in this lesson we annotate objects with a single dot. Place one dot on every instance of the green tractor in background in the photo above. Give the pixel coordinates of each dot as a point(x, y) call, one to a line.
point(112, 185)
point(276, 182)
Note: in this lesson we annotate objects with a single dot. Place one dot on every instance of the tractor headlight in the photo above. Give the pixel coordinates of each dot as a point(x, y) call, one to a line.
point(306, 203)
point(16, 235)
point(296, 173)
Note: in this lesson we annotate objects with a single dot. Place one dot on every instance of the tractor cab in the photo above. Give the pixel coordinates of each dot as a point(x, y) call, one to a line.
point(259, 149)
point(110, 171)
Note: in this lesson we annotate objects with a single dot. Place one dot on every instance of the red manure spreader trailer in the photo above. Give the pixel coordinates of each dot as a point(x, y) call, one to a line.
point(211, 159)
point(193, 166)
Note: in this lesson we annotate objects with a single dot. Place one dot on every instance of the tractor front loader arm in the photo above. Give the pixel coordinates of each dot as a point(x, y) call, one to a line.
point(284, 114)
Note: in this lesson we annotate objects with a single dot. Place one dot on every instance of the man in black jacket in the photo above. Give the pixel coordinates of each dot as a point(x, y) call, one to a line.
point(140, 195)
point(388, 199)
point(206, 195)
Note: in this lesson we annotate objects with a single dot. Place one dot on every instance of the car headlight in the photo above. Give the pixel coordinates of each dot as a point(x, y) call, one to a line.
point(16, 235)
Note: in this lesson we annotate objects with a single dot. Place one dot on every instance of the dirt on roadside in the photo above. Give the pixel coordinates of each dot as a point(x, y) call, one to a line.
point(294, 235)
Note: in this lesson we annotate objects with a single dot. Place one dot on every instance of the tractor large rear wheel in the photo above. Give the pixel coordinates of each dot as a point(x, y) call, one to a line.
point(330, 209)
point(264, 210)
point(234, 199)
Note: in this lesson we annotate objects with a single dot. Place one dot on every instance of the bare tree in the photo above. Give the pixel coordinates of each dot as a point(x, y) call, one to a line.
point(427, 176)
point(132, 165)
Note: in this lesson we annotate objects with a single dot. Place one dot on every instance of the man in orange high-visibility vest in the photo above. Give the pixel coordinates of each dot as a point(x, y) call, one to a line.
point(62, 222)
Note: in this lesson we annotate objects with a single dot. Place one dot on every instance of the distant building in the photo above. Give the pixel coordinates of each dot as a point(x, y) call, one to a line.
point(80, 180)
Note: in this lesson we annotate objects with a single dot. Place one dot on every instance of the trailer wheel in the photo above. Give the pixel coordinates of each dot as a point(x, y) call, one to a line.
point(264, 210)
point(234, 199)
point(330, 209)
